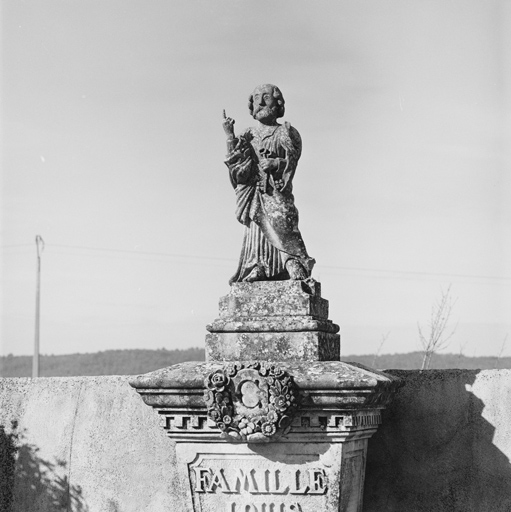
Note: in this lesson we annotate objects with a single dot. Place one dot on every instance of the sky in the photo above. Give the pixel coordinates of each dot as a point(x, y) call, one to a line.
point(113, 149)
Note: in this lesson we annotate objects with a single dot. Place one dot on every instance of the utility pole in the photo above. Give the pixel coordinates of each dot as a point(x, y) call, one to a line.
point(39, 243)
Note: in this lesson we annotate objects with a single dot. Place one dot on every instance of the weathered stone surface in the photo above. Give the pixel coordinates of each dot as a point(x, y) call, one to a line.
point(271, 478)
point(86, 444)
point(272, 346)
point(262, 163)
point(334, 399)
point(274, 298)
point(273, 320)
point(269, 436)
point(444, 445)
point(293, 323)
point(333, 375)
point(251, 402)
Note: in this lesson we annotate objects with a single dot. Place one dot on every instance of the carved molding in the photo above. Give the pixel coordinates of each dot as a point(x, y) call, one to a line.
point(251, 402)
point(314, 425)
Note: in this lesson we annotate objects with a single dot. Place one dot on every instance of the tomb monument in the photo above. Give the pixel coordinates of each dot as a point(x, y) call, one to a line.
point(272, 421)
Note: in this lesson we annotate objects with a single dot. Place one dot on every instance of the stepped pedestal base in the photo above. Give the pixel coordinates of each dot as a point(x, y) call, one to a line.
point(272, 421)
point(273, 346)
point(273, 321)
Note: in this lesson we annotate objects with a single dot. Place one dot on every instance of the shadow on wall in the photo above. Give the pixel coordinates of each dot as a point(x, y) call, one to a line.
point(29, 483)
point(434, 451)
point(8, 449)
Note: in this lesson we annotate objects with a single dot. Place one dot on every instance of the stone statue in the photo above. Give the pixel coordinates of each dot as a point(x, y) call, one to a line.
point(262, 162)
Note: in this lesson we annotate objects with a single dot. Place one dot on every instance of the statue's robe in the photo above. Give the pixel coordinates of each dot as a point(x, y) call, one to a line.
point(265, 203)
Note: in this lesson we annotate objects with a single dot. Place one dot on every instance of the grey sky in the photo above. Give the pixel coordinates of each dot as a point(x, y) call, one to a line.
point(112, 140)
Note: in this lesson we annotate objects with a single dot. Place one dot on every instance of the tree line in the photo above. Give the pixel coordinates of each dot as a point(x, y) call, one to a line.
point(133, 362)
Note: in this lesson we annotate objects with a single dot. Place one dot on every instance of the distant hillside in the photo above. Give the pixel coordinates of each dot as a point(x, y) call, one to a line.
point(413, 361)
point(110, 362)
point(132, 362)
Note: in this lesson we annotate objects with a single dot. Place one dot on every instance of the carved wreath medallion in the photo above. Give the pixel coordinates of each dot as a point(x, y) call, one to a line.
point(251, 402)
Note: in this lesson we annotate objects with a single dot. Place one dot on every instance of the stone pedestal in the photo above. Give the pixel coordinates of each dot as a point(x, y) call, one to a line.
point(306, 453)
point(272, 421)
point(273, 320)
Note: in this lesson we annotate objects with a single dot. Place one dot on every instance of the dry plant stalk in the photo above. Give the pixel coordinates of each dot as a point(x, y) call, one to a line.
point(384, 338)
point(438, 335)
point(500, 352)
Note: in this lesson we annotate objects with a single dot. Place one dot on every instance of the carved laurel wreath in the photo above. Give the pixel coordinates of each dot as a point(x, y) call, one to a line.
point(268, 421)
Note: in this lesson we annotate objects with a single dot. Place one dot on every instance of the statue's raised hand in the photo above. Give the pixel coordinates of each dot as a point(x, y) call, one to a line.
point(228, 124)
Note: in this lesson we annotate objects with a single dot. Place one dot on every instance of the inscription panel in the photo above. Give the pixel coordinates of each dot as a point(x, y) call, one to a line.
point(253, 483)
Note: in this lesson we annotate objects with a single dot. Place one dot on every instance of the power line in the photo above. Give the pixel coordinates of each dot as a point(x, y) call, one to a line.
point(15, 245)
point(404, 273)
point(143, 253)
point(336, 267)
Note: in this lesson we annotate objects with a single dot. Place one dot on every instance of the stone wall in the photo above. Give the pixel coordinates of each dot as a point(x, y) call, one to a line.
point(89, 444)
point(445, 444)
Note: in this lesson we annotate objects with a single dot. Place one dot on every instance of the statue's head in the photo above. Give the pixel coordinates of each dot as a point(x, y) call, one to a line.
point(266, 103)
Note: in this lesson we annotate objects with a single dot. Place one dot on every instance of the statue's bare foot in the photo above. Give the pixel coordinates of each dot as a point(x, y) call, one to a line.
point(296, 270)
point(257, 274)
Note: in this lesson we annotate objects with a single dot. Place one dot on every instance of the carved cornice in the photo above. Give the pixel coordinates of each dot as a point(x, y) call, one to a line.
point(322, 401)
